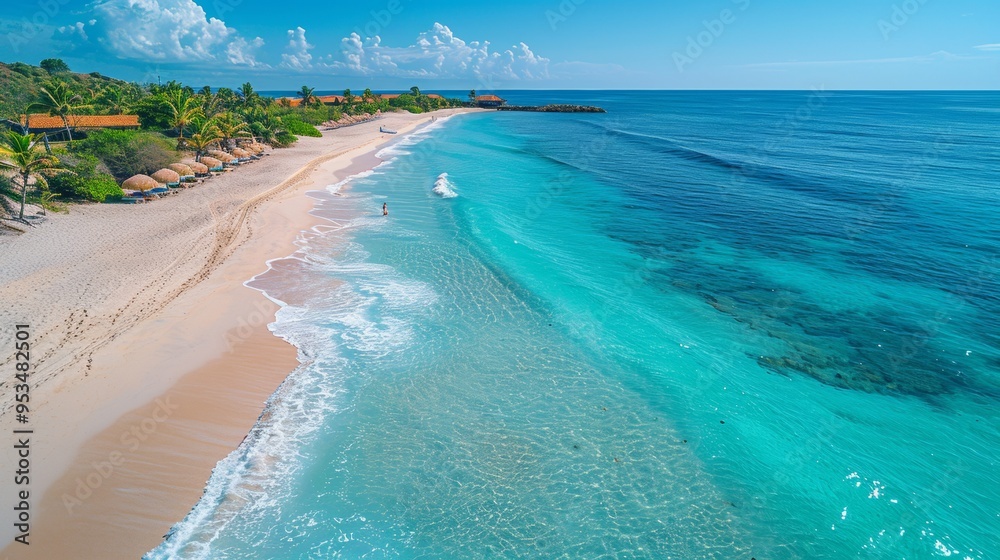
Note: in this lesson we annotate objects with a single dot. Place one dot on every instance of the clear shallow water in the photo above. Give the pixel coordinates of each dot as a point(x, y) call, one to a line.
point(704, 325)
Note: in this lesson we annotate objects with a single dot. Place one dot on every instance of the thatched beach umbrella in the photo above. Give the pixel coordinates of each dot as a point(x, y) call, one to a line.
point(182, 169)
point(197, 168)
point(140, 183)
point(168, 177)
point(221, 156)
point(212, 163)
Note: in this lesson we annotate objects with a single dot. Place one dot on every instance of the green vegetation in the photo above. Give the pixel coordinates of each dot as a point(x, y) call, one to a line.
point(58, 100)
point(54, 65)
point(128, 152)
point(294, 125)
point(22, 154)
point(173, 119)
point(86, 182)
point(20, 86)
point(184, 108)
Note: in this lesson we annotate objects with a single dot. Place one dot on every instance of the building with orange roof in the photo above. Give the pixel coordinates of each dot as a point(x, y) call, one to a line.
point(47, 123)
point(487, 101)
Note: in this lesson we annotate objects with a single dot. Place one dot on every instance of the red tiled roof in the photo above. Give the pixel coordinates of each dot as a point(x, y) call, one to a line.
point(488, 98)
point(44, 122)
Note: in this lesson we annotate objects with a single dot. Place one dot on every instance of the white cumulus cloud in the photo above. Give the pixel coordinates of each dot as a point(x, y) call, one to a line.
point(296, 56)
point(438, 53)
point(170, 30)
point(77, 28)
point(241, 51)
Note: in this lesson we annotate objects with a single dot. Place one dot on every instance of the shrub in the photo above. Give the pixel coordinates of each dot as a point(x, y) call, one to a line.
point(22, 69)
point(54, 65)
point(127, 152)
point(300, 128)
point(285, 139)
point(85, 181)
point(315, 115)
point(152, 112)
point(96, 188)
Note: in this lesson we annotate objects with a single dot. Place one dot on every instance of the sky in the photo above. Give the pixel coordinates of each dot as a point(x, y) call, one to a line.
point(516, 44)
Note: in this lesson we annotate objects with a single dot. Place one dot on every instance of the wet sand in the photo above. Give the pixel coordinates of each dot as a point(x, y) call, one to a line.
point(141, 393)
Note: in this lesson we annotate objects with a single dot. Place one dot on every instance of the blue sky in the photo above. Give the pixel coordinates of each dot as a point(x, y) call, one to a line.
point(386, 44)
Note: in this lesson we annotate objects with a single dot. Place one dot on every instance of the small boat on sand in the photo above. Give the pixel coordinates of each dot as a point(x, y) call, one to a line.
point(386, 130)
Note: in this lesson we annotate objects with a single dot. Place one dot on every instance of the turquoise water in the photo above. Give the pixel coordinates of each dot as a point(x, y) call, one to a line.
point(704, 325)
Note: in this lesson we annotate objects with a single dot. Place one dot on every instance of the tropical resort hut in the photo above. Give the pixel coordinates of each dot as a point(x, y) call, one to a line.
point(490, 101)
point(167, 177)
point(186, 173)
point(199, 169)
point(212, 163)
point(139, 186)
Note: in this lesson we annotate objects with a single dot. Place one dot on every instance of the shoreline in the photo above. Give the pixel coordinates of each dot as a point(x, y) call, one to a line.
point(179, 389)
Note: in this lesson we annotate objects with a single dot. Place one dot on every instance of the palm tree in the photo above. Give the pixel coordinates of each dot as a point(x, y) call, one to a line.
point(367, 95)
point(206, 133)
point(348, 97)
point(306, 93)
point(225, 98)
point(230, 127)
point(117, 100)
point(211, 105)
point(473, 96)
point(415, 91)
point(183, 109)
point(20, 153)
point(249, 96)
point(264, 125)
point(58, 101)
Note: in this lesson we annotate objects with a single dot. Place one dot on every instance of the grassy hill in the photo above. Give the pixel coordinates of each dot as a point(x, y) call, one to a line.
point(19, 85)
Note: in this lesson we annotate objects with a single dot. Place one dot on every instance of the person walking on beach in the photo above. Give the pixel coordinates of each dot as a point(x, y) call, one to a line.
point(385, 209)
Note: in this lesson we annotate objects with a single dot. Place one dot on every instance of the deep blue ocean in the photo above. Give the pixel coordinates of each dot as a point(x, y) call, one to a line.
point(725, 325)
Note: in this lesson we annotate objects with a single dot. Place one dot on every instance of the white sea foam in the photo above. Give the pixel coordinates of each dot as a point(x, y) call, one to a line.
point(443, 187)
point(250, 480)
point(254, 478)
point(391, 153)
point(336, 187)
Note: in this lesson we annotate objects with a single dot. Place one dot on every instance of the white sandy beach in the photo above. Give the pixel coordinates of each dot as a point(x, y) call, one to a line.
point(151, 359)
